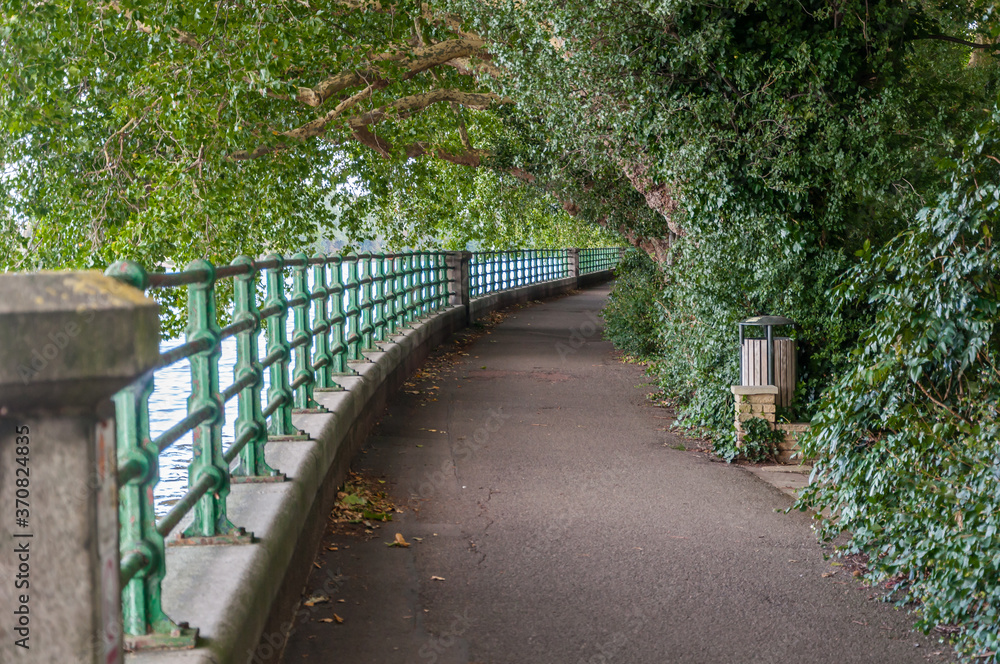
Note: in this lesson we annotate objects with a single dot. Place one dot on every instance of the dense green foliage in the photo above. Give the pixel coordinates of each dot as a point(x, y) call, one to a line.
point(906, 441)
point(433, 203)
point(760, 149)
point(127, 130)
point(632, 311)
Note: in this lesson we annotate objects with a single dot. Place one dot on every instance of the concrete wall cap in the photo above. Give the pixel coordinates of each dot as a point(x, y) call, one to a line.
point(72, 339)
point(742, 390)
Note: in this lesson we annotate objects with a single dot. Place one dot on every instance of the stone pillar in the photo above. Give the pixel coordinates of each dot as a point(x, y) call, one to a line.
point(68, 341)
point(458, 276)
point(753, 401)
point(574, 264)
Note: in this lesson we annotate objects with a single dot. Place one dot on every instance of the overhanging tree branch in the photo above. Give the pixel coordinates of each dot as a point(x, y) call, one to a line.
point(956, 40)
point(421, 59)
point(359, 125)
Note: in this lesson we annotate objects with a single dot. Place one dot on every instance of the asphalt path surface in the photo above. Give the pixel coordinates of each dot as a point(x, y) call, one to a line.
point(552, 520)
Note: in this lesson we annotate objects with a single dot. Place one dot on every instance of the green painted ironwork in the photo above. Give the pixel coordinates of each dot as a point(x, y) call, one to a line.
point(279, 396)
point(367, 304)
point(413, 288)
point(323, 325)
point(250, 429)
point(391, 296)
point(143, 554)
point(207, 464)
point(344, 305)
point(598, 259)
point(353, 312)
point(338, 344)
point(303, 379)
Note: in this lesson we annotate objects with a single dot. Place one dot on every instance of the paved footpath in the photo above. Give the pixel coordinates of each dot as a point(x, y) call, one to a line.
point(544, 491)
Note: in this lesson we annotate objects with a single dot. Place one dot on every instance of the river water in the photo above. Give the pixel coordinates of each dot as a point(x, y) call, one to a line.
point(168, 405)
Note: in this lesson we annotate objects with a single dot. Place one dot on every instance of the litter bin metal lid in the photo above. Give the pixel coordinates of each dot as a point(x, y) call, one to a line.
point(768, 320)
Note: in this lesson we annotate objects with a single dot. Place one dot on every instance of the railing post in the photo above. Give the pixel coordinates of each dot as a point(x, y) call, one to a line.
point(338, 321)
point(250, 423)
point(68, 342)
point(279, 353)
point(211, 523)
point(421, 284)
point(367, 303)
point(353, 311)
point(389, 294)
point(303, 376)
point(379, 300)
point(441, 280)
point(409, 287)
point(399, 307)
point(323, 326)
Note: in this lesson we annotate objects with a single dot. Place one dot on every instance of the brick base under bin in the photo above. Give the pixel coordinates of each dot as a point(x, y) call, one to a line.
point(759, 401)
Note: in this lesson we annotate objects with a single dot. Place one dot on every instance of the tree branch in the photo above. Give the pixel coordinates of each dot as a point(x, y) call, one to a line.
point(256, 153)
point(421, 59)
point(478, 101)
point(956, 40)
point(315, 127)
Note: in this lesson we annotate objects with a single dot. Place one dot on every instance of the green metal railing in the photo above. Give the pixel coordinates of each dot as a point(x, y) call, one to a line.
point(340, 307)
point(595, 260)
point(492, 271)
point(349, 305)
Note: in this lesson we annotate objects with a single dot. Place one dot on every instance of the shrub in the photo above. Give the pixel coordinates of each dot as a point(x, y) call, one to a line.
point(760, 442)
point(631, 315)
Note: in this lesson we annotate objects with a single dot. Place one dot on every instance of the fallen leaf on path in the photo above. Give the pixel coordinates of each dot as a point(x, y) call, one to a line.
point(399, 541)
point(326, 620)
point(316, 599)
point(437, 578)
point(339, 620)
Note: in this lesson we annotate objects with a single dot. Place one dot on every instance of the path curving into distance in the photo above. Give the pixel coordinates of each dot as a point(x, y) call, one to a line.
point(567, 529)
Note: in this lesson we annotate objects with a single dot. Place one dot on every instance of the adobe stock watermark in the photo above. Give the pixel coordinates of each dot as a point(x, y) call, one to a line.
point(579, 335)
point(434, 480)
point(272, 643)
point(102, 647)
point(552, 539)
point(437, 645)
point(545, 541)
point(52, 347)
point(612, 647)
